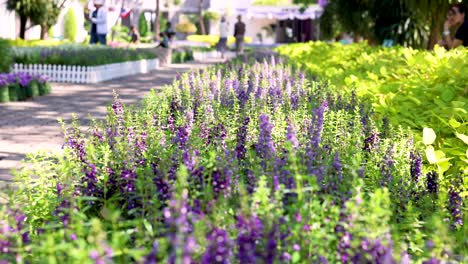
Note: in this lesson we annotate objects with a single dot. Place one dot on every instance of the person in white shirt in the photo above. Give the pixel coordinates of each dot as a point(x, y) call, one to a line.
point(223, 35)
point(99, 23)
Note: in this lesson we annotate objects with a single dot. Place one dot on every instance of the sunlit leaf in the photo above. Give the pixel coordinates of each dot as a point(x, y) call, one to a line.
point(429, 136)
point(463, 137)
point(430, 154)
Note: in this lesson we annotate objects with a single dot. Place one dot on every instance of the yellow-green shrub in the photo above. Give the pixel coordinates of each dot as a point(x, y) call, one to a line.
point(213, 39)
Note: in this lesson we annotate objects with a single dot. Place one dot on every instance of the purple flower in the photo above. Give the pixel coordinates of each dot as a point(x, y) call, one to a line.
point(78, 146)
point(241, 140)
point(387, 166)
point(98, 135)
point(94, 255)
point(316, 130)
point(415, 166)
point(291, 135)
point(151, 258)
point(250, 230)
point(89, 183)
point(59, 188)
point(431, 182)
point(455, 207)
point(179, 229)
point(372, 142)
point(127, 187)
point(219, 249)
point(432, 260)
point(265, 146)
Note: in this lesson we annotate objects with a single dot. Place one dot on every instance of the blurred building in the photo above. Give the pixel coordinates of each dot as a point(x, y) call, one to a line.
point(281, 22)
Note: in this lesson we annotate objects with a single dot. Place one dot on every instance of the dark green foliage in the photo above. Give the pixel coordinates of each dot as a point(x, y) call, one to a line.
point(4, 95)
point(182, 55)
point(72, 55)
point(34, 10)
point(44, 88)
point(32, 90)
point(415, 23)
point(13, 92)
point(142, 25)
point(5, 55)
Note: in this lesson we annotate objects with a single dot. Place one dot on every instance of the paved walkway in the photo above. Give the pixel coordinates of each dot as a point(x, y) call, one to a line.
point(32, 125)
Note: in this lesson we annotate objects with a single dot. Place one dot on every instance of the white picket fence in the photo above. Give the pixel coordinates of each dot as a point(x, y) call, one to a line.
point(88, 74)
point(204, 55)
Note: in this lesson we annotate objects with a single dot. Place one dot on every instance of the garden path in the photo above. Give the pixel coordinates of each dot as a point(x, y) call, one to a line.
point(31, 126)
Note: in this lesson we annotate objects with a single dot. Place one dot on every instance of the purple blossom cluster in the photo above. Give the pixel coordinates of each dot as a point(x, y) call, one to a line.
point(20, 78)
point(216, 134)
point(219, 249)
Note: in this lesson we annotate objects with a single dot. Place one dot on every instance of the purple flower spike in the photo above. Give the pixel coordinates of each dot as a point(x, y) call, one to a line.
point(291, 135)
point(265, 147)
point(219, 249)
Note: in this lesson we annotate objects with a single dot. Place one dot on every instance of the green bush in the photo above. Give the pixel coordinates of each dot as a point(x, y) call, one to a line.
point(186, 27)
point(413, 88)
point(4, 95)
point(21, 92)
point(5, 56)
point(13, 92)
point(182, 55)
point(78, 55)
point(143, 25)
point(211, 16)
point(44, 88)
point(32, 90)
point(70, 26)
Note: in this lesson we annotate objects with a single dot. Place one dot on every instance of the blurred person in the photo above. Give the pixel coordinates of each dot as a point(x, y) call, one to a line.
point(456, 21)
point(98, 23)
point(223, 35)
point(239, 32)
point(164, 40)
point(170, 32)
point(134, 35)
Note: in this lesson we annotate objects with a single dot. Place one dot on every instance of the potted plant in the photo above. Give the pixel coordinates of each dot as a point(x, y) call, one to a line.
point(185, 28)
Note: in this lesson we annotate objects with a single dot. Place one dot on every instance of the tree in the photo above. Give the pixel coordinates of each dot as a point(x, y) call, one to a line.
point(70, 25)
point(33, 10)
point(156, 21)
point(416, 23)
point(54, 8)
point(200, 17)
point(142, 25)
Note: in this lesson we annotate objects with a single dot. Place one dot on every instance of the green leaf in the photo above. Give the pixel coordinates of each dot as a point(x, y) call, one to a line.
point(429, 136)
point(430, 154)
point(447, 95)
point(454, 123)
point(463, 137)
point(148, 227)
point(296, 257)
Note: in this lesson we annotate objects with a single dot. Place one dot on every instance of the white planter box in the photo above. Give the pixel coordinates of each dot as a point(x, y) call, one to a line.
point(205, 55)
point(88, 74)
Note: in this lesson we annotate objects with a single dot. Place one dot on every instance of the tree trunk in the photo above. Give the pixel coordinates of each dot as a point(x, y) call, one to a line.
point(156, 22)
point(436, 28)
point(200, 18)
point(44, 31)
point(23, 21)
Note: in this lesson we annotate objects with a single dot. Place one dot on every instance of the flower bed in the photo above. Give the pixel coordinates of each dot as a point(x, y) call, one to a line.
point(414, 88)
point(21, 86)
point(83, 64)
point(240, 163)
point(78, 55)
